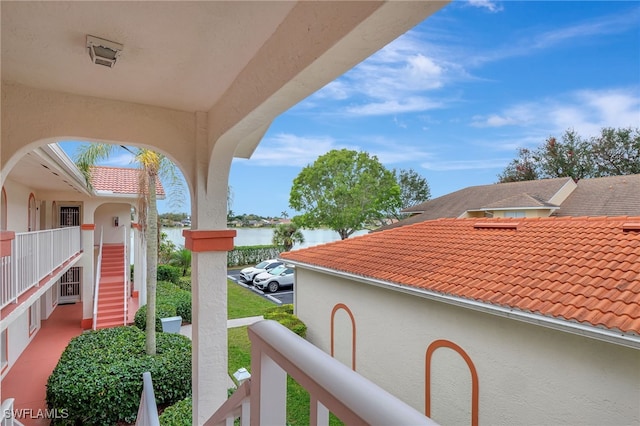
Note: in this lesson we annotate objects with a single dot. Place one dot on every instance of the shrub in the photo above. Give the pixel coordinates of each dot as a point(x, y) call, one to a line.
point(171, 300)
point(284, 315)
point(98, 379)
point(251, 255)
point(162, 311)
point(169, 273)
point(185, 283)
point(179, 414)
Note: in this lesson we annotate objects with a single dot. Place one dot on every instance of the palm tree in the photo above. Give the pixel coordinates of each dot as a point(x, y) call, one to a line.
point(182, 259)
point(286, 235)
point(152, 164)
point(284, 214)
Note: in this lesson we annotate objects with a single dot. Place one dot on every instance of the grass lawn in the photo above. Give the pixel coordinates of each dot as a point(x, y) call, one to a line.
point(245, 303)
point(242, 302)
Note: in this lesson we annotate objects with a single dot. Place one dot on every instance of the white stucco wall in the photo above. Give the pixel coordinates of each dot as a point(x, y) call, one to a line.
point(17, 205)
point(18, 337)
point(527, 374)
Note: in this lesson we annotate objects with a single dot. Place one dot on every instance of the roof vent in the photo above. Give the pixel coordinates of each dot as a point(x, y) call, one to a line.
point(631, 226)
point(103, 52)
point(496, 225)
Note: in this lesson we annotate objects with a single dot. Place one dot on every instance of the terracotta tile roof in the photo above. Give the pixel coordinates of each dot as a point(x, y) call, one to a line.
point(119, 180)
point(584, 270)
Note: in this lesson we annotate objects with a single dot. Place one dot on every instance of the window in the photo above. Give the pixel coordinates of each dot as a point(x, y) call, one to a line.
point(33, 319)
point(515, 213)
point(3, 210)
point(31, 217)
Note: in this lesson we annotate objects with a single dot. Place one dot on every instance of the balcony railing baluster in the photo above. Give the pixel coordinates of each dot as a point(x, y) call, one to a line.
point(35, 255)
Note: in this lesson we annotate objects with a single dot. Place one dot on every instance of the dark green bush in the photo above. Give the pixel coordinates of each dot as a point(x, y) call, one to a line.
point(284, 315)
point(98, 379)
point(162, 311)
point(169, 273)
point(171, 300)
point(179, 414)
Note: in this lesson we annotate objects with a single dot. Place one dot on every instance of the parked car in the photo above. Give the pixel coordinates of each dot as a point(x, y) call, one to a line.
point(274, 278)
point(248, 274)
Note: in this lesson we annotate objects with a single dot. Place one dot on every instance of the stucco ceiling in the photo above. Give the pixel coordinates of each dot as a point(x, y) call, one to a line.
point(180, 55)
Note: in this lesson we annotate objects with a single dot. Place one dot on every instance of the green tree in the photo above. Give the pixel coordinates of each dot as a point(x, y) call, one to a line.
point(286, 235)
point(566, 158)
point(343, 190)
point(182, 259)
point(414, 189)
point(522, 168)
point(575, 157)
point(151, 166)
point(616, 152)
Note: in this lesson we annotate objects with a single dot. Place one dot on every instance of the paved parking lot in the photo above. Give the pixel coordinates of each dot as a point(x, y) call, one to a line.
point(280, 297)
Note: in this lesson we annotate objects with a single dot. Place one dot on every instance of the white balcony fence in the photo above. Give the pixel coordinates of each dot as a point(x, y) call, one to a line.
point(332, 386)
point(34, 256)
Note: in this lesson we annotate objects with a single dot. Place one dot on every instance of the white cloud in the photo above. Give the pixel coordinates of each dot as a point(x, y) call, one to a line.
point(585, 111)
point(286, 149)
point(395, 106)
point(120, 158)
point(491, 6)
point(536, 40)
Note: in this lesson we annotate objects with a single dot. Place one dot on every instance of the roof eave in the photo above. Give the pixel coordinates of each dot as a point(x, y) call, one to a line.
point(606, 335)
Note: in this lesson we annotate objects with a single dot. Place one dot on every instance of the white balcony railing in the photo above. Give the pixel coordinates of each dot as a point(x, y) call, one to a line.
point(34, 256)
point(332, 386)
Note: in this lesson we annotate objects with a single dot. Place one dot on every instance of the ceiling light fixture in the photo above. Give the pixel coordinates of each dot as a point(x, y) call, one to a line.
point(103, 52)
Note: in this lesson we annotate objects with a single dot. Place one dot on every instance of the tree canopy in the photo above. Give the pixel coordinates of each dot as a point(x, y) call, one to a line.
point(344, 190)
point(287, 235)
point(613, 152)
point(414, 189)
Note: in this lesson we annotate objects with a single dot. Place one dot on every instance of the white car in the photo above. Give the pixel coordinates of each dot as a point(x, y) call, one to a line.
point(275, 278)
point(248, 274)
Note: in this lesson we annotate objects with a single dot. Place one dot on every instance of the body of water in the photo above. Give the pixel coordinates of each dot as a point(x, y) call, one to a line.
point(262, 236)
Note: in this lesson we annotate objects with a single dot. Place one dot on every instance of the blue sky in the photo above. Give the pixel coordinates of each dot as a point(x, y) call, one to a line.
point(456, 96)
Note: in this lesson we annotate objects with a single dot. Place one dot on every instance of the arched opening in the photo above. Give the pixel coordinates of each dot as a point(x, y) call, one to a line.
point(475, 391)
point(3, 210)
point(343, 307)
point(31, 215)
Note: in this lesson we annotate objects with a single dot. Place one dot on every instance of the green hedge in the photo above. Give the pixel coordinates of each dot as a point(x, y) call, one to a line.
point(179, 414)
point(252, 255)
point(169, 273)
point(284, 315)
point(98, 379)
point(171, 300)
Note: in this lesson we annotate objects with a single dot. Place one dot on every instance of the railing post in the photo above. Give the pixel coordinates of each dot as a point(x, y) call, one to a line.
point(269, 390)
point(319, 414)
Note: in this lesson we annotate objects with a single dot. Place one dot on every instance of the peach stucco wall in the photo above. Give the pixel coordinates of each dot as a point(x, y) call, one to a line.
point(527, 374)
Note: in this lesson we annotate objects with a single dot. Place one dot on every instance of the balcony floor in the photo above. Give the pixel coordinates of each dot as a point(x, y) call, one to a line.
point(26, 381)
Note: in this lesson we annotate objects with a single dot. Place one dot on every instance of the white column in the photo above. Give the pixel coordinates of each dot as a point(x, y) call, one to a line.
point(209, 241)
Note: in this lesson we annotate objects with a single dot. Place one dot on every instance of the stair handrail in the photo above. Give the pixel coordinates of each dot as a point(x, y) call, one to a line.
point(126, 275)
point(8, 413)
point(96, 286)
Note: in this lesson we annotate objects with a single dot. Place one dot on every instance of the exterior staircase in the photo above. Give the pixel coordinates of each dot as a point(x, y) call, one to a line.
point(111, 290)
